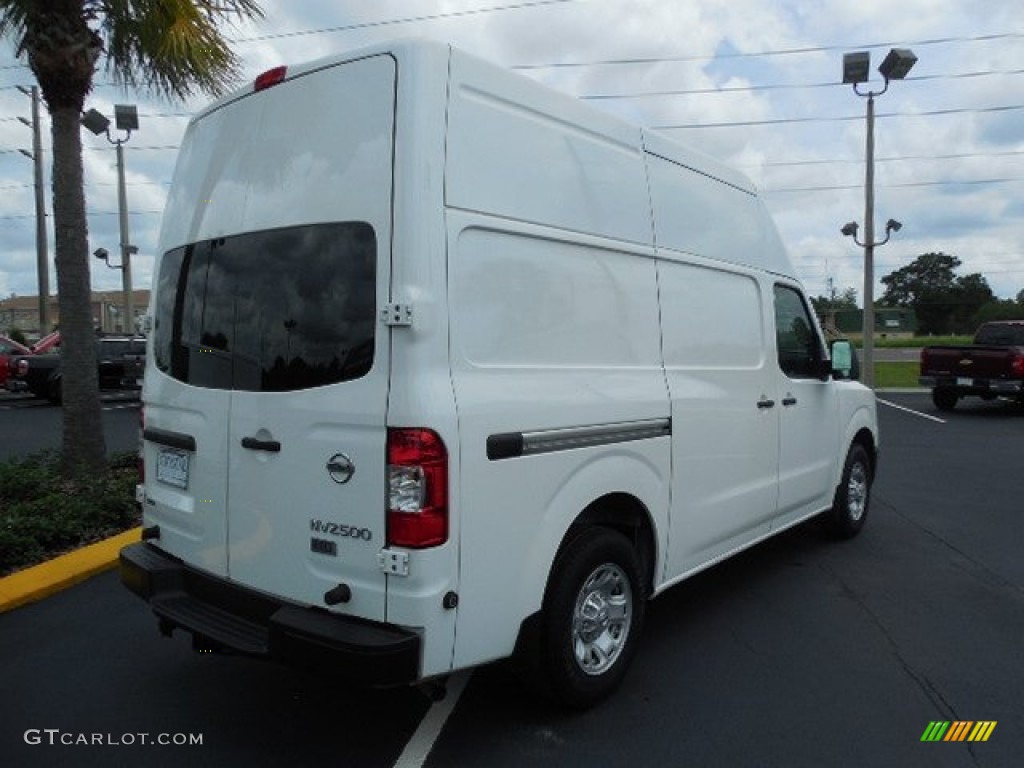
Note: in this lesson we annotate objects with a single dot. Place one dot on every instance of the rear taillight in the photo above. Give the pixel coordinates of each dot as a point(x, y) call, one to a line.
point(417, 489)
point(1017, 365)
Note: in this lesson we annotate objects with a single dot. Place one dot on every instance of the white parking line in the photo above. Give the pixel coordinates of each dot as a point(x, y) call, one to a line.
point(911, 410)
point(423, 739)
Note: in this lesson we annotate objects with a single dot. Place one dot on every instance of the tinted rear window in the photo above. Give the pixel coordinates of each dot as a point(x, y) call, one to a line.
point(271, 311)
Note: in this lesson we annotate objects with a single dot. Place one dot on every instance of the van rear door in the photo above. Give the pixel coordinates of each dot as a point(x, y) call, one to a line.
point(266, 348)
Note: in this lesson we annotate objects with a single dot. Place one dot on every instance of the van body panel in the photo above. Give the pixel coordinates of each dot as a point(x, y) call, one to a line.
point(518, 523)
point(579, 349)
point(193, 519)
point(285, 526)
point(593, 178)
point(725, 448)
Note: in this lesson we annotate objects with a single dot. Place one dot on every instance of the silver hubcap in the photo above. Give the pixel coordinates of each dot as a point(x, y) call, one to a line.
point(857, 492)
point(601, 619)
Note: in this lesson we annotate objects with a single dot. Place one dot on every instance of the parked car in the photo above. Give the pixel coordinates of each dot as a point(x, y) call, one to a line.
point(9, 349)
point(991, 367)
point(121, 362)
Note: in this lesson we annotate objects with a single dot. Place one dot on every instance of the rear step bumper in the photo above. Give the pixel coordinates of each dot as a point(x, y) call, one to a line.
point(219, 613)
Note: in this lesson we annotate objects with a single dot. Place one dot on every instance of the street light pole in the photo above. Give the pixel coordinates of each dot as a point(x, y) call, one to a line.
point(126, 249)
point(42, 257)
point(126, 119)
point(868, 328)
point(896, 65)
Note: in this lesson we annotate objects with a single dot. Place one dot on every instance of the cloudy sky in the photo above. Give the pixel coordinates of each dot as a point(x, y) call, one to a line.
point(754, 82)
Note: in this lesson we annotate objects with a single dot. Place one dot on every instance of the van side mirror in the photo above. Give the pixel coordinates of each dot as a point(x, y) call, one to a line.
point(844, 361)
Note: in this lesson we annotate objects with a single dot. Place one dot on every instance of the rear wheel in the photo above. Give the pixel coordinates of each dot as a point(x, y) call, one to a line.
point(850, 506)
point(944, 399)
point(592, 616)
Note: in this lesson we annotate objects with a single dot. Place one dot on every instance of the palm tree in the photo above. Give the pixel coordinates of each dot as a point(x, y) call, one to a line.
point(169, 47)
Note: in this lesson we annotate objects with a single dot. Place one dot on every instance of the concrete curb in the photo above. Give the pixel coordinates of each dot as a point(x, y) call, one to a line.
point(55, 575)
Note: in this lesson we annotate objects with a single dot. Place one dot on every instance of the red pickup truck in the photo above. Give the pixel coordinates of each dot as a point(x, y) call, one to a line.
point(993, 366)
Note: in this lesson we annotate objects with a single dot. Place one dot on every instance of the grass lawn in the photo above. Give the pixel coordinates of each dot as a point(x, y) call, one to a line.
point(903, 374)
point(918, 341)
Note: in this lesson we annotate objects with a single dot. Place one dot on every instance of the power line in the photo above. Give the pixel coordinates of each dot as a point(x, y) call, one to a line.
point(12, 216)
point(406, 20)
point(779, 87)
point(778, 52)
point(897, 185)
point(794, 120)
point(893, 159)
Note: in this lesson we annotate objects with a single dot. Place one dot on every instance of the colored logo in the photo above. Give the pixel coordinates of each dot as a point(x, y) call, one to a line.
point(958, 730)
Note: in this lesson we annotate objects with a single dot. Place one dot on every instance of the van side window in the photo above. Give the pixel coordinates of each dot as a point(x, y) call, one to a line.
point(271, 311)
point(798, 345)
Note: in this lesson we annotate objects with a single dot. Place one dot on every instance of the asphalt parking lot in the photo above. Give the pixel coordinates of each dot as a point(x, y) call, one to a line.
point(29, 424)
point(800, 652)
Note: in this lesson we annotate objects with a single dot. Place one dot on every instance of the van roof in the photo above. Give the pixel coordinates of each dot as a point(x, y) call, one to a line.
point(655, 142)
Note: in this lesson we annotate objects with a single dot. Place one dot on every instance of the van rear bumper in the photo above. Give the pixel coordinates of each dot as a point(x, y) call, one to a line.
point(223, 615)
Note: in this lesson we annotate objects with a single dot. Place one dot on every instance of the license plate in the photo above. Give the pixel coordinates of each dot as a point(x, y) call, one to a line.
point(962, 382)
point(172, 467)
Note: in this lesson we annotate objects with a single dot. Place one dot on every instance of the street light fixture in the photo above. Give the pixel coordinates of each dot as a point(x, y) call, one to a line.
point(126, 118)
point(897, 63)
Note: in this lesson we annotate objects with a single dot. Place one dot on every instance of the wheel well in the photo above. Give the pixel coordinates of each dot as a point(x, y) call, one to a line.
point(867, 441)
point(626, 514)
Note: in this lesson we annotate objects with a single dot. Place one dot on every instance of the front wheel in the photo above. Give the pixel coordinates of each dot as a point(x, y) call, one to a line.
point(850, 506)
point(592, 617)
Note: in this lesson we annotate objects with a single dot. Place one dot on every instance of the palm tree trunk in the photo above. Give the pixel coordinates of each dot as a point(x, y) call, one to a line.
point(84, 445)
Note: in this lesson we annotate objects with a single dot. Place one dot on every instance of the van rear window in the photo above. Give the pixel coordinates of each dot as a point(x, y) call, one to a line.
point(272, 311)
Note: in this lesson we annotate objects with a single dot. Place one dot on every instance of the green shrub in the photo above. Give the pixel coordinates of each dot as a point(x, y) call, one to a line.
point(42, 515)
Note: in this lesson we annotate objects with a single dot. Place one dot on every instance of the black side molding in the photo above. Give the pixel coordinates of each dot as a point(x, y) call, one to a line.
point(505, 446)
point(170, 439)
point(512, 445)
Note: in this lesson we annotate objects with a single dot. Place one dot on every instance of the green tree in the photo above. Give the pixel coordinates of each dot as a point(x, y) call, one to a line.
point(942, 302)
point(970, 293)
point(835, 301)
point(170, 47)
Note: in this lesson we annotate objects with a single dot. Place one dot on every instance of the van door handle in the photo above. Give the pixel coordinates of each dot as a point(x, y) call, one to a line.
point(764, 404)
point(254, 444)
point(788, 400)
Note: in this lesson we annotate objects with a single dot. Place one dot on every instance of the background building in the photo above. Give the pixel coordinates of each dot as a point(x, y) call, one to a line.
point(22, 312)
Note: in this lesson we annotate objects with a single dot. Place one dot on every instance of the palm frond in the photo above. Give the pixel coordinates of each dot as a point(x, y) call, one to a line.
point(14, 20)
point(172, 47)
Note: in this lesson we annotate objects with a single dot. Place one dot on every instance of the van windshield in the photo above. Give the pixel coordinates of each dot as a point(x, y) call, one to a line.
point(272, 311)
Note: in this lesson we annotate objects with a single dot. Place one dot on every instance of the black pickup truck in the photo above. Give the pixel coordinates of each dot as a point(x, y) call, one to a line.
point(993, 366)
point(121, 360)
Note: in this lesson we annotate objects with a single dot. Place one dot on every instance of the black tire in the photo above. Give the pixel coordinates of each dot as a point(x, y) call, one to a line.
point(944, 399)
point(592, 616)
point(853, 496)
point(54, 391)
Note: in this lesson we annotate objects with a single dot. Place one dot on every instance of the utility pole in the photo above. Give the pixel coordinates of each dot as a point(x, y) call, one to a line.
point(42, 257)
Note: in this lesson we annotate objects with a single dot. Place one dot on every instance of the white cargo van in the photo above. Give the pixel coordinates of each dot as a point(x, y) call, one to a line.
point(446, 367)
